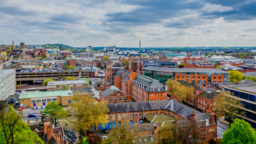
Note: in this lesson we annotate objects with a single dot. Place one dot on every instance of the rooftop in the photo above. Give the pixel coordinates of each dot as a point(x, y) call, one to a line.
point(67, 82)
point(62, 93)
point(190, 70)
point(244, 88)
point(6, 71)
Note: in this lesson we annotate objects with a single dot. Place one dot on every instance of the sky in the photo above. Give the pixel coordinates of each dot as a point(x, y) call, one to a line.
point(158, 23)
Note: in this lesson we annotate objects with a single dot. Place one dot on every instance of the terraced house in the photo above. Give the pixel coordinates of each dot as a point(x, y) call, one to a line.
point(190, 75)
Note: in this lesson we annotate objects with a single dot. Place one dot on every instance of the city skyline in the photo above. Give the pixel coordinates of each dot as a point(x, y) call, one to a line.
point(187, 23)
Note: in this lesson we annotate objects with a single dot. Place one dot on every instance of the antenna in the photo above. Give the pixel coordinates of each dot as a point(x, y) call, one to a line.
point(140, 45)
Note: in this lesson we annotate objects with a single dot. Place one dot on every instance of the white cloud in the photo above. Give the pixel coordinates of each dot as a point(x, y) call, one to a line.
point(216, 8)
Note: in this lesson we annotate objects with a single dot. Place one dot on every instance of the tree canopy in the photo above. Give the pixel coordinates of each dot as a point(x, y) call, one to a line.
point(240, 132)
point(86, 80)
point(71, 67)
point(182, 92)
point(227, 106)
point(126, 63)
point(235, 76)
point(46, 81)
point(64, 87)
point(105, 58)
point(88, 111)
point(55, 110)
point(13, 130)
point(70, 78)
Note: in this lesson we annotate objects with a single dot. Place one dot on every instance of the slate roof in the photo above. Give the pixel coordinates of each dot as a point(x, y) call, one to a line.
point(108, 91)
point(200, 83)
point(118, 64)
point(208, 95)
point(149, 84)
point(143, 127)
point(178, 108)
point(246, 81)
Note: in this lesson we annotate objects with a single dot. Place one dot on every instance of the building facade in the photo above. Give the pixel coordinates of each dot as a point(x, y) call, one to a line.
point(55, 85)
point(7, 82)
point(190, 75)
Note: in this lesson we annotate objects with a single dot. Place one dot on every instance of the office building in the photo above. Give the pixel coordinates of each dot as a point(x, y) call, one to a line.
point(89, 49)
point(190, 75)
point(55, 85)
point(7, 83)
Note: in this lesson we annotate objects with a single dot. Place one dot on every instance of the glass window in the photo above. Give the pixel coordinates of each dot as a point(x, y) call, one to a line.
point(124, 115)
point(198, 106)
point(203, 77)
point(219, 77)
point(198, 77)
point(119, 115)
point(110, 100)
point(54, 99)
point(193, 77)
point(135, 122)
point(214, 77)
point(201, 101)
point(204, 102)
point(113, 116)
point(131, 114)
point(135, 114)
point(178, 76)
point(198, 100)
point(38, 101)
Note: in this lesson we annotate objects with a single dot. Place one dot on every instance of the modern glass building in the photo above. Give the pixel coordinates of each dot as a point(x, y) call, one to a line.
point(191, 75)
point(247, 95)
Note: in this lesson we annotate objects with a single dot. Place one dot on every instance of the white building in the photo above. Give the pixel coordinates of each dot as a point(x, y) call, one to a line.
point(53, 51)
point(89, 49)
point(7, 83)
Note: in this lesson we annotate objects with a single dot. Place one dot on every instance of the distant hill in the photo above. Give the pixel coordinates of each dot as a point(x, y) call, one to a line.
point(62, 46)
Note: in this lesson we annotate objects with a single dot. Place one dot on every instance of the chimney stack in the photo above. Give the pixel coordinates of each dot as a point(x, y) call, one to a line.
point(212, 118)
point(49, 133)
point(46, 125)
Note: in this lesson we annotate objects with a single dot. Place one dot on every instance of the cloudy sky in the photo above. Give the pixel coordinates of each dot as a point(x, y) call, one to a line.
point(158, 23)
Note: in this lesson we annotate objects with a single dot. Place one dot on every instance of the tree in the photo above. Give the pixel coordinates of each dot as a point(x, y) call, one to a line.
point(86, 80)
point(70, 78)
point(126, 63)
point(55, 110)
point(64, 87)
point(181, 65)
point(71, 67)
point(182, 92)
point(8, 51)
point(240, 132)
point(235, 76)
point(227, 106)
point(123, 134)
point(14, 130)
point(46, 81)
point(88, 111)
point(105, 58)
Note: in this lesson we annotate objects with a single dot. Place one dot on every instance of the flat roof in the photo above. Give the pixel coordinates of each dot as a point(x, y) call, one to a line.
point(67, 82)
point(243, 88)
point(199, 70)
point(62, 93)
point(5, 71)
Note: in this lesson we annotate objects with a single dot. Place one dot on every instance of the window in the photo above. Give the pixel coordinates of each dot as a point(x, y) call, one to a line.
point(193, 81)
point(178, 76)
point(203, 77)
point(34, 101)
point(204, 107)
point(155, 94)
point(131, 122)
point(119, 115)
point(131, 114)
point(135, 114)
point(54, 99)
point(135, 122)
point(38, 101)
point(161, 95)
point(22, 100)
point(198, 106)
point(124, 115)
point(214, 77)
point(204, 102)
point(44, 100)
point(219, 77)
point(198, 77)
point(193, 77)
point(183, 76)
point(113, 117)
point(198, 100)
point(110, 100)
point(201, 101)
point(201, 106)
point(141, 114)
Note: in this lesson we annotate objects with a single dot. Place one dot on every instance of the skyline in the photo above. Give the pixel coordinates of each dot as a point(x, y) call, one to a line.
point(186, 23)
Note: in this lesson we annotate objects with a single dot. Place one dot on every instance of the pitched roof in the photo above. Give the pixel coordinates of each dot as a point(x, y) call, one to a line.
point(190, 70)
point(246, 81)
point(185, 83)
point(208, 95)
point(149, 84)
point(82, 90)
point(178, 108)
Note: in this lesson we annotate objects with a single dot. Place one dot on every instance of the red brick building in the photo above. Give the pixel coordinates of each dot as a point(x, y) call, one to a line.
point(134, 113)
point(147, 89)
point(113, 95)
point(71, 62)
point(110, 72)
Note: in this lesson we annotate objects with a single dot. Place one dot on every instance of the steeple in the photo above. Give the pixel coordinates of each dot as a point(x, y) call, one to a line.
point(13, 45)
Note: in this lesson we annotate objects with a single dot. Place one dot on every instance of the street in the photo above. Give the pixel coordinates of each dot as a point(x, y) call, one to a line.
point(221, 128)
point(31, 119)
point(95, 92)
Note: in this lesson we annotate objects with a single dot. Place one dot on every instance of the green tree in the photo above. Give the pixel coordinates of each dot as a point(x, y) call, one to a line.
point(86, 80)
point(235, 76)
point(64, 87)
point(181, 65)
point(71, 67)
point(105, 58)
point(46, 81)
point(14, 131)
point(70, 78)
point(240, 132)
point(55, 110)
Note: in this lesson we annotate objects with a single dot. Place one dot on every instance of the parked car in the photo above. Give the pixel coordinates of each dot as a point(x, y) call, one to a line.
point(43, 107)
point(34, 107)
point(31, 115)
point(39, 107)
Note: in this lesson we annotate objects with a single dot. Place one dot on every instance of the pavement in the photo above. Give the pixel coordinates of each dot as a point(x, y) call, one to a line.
point(26, 112)
point(221, 128)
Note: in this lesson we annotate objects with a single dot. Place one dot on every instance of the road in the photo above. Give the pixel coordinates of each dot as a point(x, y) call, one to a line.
point(221, 128)
point(31, 119)
point(95, 92)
